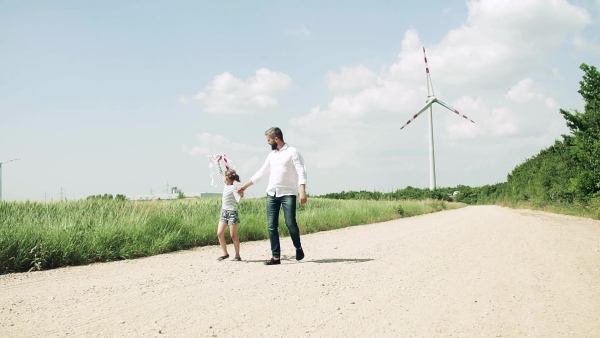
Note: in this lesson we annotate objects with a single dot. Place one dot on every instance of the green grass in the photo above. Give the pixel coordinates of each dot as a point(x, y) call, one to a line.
point(38, 236)
point(588, 210)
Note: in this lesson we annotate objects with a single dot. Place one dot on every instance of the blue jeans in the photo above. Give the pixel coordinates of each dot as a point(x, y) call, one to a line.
point(274, 204)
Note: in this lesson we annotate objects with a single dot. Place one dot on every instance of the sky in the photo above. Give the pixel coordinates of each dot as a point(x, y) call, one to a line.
point(130, 97)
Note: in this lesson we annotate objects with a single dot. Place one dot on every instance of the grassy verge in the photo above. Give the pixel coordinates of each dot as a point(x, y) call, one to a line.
point(37, 236)
point(581, 210)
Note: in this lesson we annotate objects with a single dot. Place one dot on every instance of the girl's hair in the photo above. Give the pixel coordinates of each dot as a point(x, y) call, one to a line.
point(232, 174)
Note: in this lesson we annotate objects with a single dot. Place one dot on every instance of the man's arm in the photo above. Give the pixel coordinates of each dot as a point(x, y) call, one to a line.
point(298, 162)
point(303, 198)
point(264, 170)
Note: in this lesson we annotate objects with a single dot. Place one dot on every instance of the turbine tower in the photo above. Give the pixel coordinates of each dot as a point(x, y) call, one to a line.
point(431, 99)
point(16, 159)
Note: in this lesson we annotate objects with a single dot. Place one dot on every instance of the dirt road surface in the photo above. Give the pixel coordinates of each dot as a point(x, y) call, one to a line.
point(481, 271)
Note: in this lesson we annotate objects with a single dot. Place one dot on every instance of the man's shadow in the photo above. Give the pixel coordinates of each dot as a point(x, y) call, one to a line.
point(319, 261)
point(341, 260)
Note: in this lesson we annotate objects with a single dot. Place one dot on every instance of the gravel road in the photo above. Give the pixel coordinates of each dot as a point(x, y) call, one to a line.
point(480, 271)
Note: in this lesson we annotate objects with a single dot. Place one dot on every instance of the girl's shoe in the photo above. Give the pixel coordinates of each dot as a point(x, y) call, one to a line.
point(238, 258)
point(223, 257)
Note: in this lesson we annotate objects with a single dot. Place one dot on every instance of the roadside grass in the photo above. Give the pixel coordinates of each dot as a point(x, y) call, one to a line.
point(589, 210)
point(39, 236)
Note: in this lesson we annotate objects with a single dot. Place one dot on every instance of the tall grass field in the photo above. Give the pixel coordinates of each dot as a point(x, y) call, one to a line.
point(38, 236)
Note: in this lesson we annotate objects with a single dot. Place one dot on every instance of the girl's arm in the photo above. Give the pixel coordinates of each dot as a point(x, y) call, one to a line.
point(219, 169)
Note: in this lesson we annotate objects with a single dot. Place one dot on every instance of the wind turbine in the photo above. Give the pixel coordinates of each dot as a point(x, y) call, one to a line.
point(16, 159)
point(431, 99)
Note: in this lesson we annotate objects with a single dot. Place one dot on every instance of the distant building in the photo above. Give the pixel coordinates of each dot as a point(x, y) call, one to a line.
point(172, 196)
point(203, 195)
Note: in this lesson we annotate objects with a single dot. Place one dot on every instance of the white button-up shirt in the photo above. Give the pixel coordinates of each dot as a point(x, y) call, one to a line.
point(286, 169)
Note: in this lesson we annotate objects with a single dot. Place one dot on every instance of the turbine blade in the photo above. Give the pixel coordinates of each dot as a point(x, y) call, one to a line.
point(14, 159)
point(429, 83)
point(427, 105)
point(454, 110)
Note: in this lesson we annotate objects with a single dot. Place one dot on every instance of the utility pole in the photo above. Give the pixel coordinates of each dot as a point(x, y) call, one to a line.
point(16, 159)
point(62, 192)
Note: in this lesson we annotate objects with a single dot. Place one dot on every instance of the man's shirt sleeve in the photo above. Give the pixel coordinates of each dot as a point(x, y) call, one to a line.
point(298, 162)
point(263, 171)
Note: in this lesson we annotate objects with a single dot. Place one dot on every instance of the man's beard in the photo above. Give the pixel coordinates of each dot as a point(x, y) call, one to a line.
point(273, 146)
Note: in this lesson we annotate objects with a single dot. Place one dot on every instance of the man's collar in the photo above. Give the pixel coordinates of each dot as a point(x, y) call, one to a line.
point(285, 145)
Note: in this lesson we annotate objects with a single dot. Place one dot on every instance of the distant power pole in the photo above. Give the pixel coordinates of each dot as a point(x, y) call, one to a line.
point(62, 193)
point(16, 159)
point(166, 192)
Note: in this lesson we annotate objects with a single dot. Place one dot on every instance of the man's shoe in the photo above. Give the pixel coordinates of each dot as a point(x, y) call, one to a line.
point(273, 261)
point(299, 254)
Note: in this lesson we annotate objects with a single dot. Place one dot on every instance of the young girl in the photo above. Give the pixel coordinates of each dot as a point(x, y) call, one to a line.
point(229, 214)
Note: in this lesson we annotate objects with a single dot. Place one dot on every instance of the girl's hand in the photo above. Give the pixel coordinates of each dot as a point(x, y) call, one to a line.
point(219, 158)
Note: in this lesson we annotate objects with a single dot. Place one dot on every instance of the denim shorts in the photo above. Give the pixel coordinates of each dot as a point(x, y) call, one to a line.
point(229, 217)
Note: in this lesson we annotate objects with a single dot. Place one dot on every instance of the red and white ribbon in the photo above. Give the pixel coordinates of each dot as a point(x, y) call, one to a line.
point(213, 166)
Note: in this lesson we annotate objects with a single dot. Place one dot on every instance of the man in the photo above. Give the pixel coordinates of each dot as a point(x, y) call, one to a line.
point(287, 180)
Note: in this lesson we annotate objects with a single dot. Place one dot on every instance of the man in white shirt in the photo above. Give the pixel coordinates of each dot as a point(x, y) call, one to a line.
point(287, 181)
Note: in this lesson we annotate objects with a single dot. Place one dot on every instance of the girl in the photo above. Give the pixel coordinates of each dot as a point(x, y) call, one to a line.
point(229, 214)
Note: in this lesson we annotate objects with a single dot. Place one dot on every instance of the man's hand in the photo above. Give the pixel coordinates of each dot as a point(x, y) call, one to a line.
point(244, 187)
point(302, 197)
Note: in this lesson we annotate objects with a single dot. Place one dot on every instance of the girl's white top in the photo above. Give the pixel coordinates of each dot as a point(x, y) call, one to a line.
point(230, 198)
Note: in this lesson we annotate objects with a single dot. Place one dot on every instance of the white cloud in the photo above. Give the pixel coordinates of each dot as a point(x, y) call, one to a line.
point(503, 122)
point(551, 103)
point(351, 78)
point(526, 90)
point(457, 127)
point(227, 94)
point(210, 144)
point(348, 109)
point(582, 43)
point(302, 31)
point(500, 39)
point(186, 99)
point(523, 91)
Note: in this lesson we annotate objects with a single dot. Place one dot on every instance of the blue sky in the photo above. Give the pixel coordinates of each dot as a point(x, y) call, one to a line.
point(127, 97)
